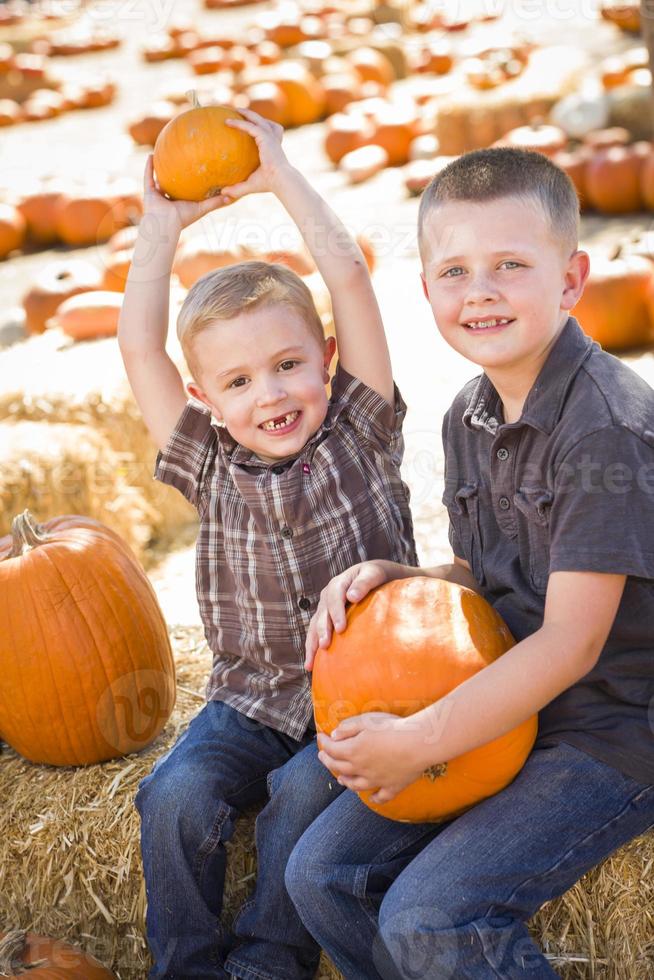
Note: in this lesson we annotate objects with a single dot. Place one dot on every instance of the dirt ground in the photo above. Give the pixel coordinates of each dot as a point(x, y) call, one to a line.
point(95, 143)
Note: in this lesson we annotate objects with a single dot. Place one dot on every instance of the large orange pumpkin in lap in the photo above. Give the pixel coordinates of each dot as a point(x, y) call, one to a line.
point(406, 645)
point(196, 154)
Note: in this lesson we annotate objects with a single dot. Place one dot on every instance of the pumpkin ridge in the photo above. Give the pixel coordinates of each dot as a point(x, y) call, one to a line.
point(100, 592)
point(44, 553)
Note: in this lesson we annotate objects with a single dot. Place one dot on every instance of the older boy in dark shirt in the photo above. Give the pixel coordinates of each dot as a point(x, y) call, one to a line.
point(550, 492)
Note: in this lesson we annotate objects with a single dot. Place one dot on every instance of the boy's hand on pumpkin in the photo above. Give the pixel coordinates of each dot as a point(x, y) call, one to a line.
point(171, 215)
point(350, 586)
point(268, 137)
point(374, 751)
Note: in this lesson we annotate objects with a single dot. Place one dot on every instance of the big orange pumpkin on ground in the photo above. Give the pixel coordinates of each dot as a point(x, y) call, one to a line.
point(406, 645)
point(196, 154)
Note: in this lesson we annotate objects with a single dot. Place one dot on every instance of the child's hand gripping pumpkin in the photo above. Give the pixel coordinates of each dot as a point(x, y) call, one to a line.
point(162, 216)
point(268, 137)
point(350, 586)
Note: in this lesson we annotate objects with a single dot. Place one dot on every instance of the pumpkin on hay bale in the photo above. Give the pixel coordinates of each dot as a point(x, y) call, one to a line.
point(78, 609)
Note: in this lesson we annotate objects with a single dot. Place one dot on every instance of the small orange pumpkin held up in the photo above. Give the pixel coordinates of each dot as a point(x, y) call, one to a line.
point(407, 645)
point(44, 958)
point(86, 668)
point(196, 154)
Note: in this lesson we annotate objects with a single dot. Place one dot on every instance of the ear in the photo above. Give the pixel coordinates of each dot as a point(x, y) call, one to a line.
point(196, 392)
point(576, 275)
point(330, 350)
point(424, 286)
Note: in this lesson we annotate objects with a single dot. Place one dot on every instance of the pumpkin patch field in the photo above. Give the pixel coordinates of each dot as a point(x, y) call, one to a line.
point(376, 96)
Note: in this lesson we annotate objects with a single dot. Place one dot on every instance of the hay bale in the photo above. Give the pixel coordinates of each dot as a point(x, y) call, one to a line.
point(70, 863)
point(51, 378)
point(69, 469)
point(468, 118)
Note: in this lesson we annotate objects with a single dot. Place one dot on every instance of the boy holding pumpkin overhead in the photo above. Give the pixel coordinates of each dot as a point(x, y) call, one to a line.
point(291, 488)
point(550, 492)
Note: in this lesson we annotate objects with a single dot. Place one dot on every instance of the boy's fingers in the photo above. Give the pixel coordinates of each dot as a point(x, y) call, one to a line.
point(384, 795)
point(340, 766)
point(234, 191)
point(357, 783)
point(366, 579)
point(245, 125)
point(148, 178)
point(211, 203)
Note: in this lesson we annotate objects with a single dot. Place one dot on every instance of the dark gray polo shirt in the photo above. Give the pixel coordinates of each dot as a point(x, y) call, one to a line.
point(569, 487)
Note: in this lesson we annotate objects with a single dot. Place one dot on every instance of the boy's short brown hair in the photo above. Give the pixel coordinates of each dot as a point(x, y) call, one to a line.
point(235, 289)
point(486, 175)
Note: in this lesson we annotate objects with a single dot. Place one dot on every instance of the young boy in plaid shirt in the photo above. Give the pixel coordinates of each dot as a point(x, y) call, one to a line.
point(291, 489)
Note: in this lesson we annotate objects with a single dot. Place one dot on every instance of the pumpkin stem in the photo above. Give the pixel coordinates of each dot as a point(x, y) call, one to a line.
point(616, 252)
point(192, 96)
point(12, 948)
point(26, 534)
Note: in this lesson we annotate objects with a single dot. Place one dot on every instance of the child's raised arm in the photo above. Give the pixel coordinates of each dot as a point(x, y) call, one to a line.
point(362, 347)
point(143, 326)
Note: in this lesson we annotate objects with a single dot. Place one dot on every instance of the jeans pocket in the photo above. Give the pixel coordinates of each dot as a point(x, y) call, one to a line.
point(463, 509)
point(533, 505)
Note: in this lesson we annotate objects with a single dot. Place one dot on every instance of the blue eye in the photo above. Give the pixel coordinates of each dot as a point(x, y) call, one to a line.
point(512, 264)
point(236, 383)
point(454, 272)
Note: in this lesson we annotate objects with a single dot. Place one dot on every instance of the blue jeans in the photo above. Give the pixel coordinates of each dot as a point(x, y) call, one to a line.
point(222, 763)
point(399, 901)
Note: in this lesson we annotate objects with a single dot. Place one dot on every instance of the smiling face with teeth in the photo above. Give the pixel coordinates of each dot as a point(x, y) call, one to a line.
point(263, 374)
point(500, 285)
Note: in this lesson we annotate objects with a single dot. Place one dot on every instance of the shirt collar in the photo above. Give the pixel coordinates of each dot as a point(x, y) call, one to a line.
point(544, 403)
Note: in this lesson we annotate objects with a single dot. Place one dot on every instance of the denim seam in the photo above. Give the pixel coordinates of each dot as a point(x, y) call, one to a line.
point(248, 971)
point(211, 841)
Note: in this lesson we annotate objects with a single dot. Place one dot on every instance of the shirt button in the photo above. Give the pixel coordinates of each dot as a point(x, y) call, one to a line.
point(277, 470)
point(502, 454)
point(287, 532)
point(304, 603)
point(504, 503)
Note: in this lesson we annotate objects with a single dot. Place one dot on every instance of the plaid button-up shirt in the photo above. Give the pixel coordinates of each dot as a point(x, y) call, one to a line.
point(272, 535)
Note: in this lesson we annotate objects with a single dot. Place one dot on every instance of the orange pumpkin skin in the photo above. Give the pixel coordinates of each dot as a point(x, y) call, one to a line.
point(13, 229)
point(116, 270)
point(56, 282)
point(647, 181)
point(87, 668)
point(406, 645)
point(58, 960)
point(613, 180)
point(40, 211)
point(304, 94)
point(613, 308)
point(89, 316)
point(86, 220)
point(196, 154)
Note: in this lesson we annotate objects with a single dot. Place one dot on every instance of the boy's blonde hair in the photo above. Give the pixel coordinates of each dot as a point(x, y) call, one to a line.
point(225, 293)
point(487, 175)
